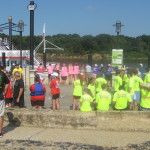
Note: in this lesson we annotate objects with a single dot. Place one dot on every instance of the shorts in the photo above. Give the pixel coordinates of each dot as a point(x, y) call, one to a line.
point(88, 74)
point(55, 96)
point(132, 97)
point(8, 100)
point(108, 77)
point(49, 75)
point(76, 97)
point(137, 96)
point(37, 103)
point(64, 78)
point(2, 107)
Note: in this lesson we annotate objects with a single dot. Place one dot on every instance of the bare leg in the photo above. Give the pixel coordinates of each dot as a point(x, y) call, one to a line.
point(74, 104)
point(57, 104)
point(1, 124)
point(34, 107)
point(53, 104)
point(79, 104)
point(135, 105)
point(39, 107)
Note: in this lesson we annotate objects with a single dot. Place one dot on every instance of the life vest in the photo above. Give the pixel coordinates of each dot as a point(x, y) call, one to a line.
point(38, 90)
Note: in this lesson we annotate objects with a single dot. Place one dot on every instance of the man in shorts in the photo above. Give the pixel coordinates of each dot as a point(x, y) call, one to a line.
point(4, 81)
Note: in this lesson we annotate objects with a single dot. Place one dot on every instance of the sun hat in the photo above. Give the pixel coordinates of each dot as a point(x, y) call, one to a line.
point(55, 74)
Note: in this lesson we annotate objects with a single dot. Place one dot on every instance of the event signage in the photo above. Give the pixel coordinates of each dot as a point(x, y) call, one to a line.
point(117, 57)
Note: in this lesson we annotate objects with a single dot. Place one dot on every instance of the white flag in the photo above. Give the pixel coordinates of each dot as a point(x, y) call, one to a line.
point(44, 30)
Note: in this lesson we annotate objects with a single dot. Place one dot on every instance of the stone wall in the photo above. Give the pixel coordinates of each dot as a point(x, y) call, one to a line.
point(110, 120)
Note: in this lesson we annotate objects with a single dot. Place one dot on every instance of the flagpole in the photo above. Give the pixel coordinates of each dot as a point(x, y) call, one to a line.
point(44, 55)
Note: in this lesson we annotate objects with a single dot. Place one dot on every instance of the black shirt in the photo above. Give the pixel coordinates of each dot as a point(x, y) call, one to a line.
point(3, 80)
point(17, 85)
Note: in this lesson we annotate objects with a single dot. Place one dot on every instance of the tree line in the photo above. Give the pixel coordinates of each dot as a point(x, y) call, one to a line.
point(74, 44)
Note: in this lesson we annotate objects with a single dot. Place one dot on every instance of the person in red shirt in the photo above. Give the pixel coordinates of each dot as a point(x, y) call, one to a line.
point(9, 93)
point(55, 91)
point(40, 71)
point(37, 95)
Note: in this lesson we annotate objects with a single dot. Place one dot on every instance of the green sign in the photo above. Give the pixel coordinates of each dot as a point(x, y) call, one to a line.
point(117, 57)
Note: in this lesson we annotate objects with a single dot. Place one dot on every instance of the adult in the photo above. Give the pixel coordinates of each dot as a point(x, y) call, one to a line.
point(18, 91)
point(12, 68)
point(95, 71)
point(3, 89)
point(55, 91)
point(70, 73)
point(141, 69)
point(108, 75)
point(103, 99)
point(50, 71)
point(64, 73)
point(76, 71)
point(37, 95)
point(18, 69)
point(40, 72)
point(88, 74)
point(122, 99)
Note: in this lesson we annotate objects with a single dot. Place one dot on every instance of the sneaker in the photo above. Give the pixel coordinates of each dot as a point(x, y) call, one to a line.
point(1, 135)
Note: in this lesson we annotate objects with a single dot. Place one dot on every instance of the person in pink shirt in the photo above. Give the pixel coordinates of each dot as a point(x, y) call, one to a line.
point(71, 72)
point(76, 71)
point(40, 71)
point(50, 71)
point(64, 73)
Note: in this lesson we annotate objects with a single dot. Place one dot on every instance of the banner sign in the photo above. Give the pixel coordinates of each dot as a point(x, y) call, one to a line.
point(117, 57)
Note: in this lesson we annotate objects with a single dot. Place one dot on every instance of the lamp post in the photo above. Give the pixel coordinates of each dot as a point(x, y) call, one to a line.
point(10, 32)
point(20, 30)
point(31, 7)
point(118, 26)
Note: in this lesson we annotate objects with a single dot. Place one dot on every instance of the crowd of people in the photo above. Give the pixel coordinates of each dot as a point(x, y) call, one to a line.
point(94, 88)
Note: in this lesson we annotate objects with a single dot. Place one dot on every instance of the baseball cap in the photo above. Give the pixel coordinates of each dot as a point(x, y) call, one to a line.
point(55, 74)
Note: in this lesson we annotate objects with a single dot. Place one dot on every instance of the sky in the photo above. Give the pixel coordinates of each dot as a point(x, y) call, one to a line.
point(83, 17)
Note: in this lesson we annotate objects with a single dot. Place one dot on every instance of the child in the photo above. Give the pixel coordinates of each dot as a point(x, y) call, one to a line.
point(55, 91)
point(86, 101)
point(77, 91)
point(9, 93)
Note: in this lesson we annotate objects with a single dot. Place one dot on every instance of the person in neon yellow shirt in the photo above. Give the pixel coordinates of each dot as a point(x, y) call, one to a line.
point(136, 87)
point(117, 81)
point(147, 77)
point(77, 91)
point(103, 99)
point(121, 99)
point(18, 69)
point(99, 82)
point(145, 99)
point(86, 101)
point(126, 81)
point(92, 88)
